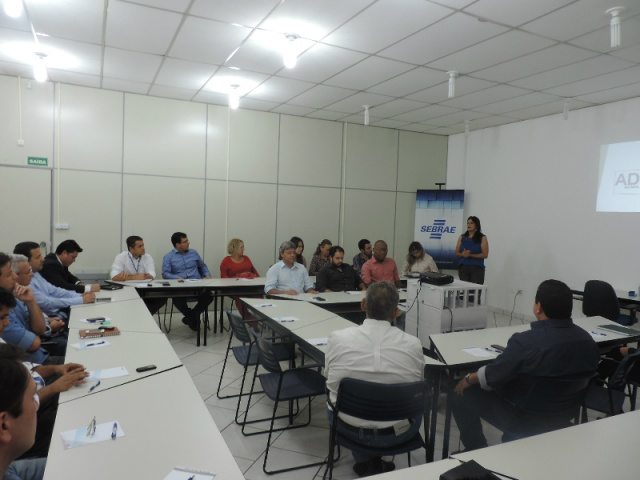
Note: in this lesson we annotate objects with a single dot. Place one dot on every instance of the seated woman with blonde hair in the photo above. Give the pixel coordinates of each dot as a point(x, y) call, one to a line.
point(418, 261)
point(237, 265)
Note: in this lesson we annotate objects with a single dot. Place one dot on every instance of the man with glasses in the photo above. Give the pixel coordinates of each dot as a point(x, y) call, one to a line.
point(185, 263)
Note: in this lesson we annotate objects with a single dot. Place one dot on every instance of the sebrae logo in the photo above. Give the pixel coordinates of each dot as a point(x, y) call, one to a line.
point(627, 182)
point(437, 229)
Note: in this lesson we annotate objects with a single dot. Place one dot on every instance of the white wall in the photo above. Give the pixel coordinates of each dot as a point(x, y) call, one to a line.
point(123, 164)
point(533, 185)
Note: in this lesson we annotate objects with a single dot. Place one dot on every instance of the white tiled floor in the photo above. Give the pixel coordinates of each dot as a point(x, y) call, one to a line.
point(304, 445)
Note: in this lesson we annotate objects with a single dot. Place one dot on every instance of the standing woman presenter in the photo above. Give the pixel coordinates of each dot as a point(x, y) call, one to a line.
point(472, 249)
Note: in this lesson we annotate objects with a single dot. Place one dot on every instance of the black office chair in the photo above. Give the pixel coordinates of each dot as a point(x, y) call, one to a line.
point(551, 403)
point(378, 402)
point(609, 398)
point(600, 299)
point(246, 355)
point(285, 386)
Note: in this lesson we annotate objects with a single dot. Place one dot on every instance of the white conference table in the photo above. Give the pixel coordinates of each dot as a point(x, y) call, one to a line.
point(449, 348)
point(120, 295)
point(604, 448)
point(128, 316)
point(166, 424)
point(129, 349)
point(339, 302)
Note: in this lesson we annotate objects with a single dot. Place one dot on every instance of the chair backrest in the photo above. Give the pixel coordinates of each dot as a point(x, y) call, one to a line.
point(600, 298)
point(618, 380)
point(382, 402)
point(238, 327)
point(556, 396)
point(266, 355)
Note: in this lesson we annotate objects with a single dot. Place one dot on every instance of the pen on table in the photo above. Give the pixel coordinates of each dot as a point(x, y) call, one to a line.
point(287, 321)
point(114, 432)
point(94, 343)
point(320, 344)
point(94, 387)
point(191, 477)
point(598, 333)
point(492, 350)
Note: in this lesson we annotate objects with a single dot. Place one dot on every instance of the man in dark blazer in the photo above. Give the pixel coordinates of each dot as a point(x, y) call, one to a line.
point(55, 269)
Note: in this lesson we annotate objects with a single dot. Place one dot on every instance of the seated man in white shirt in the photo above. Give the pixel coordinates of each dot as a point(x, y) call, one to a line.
point(376, 352)
point(135, 264)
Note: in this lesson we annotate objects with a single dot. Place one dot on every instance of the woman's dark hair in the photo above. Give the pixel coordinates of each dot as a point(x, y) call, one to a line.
point(298, 240)
point(322, 244)
point(14, 379)
point(477, 237)
point(413, 246)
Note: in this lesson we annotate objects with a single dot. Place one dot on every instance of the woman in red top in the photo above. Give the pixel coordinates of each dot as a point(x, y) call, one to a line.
point(237, 265)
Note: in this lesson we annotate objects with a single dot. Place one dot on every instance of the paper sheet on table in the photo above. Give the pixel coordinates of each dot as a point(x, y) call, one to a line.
point(106, 320)
point(287, 319)
point(477, 352)
point(192, 279)
point(90, 345)
point(146, 280)
point(107, 373)
point(78, 437)
point(318, 342)
point(183, 473)
point(597, 335)
point(263, 305)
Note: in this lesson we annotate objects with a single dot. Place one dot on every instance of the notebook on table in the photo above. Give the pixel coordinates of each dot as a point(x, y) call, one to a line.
point(99, 332)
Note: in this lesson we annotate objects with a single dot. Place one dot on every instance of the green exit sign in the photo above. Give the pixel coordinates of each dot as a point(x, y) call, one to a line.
point(39, 161)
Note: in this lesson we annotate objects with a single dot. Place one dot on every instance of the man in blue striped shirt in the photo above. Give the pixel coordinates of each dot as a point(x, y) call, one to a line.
point(184, 263)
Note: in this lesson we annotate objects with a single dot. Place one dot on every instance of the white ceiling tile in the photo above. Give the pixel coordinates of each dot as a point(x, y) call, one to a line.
point(518, 103)
point(355, 102)
point(540, 61)
point(73, 56)
point(321, 62)
point(573, 72)
point(125, 85)
point(16, 69)
point(312, 20)
point(326, 115)
point(21, 23)
point(173, 5)
point(357, 119)
point(278, 89)
point(425, 114)
point(492, 121)
point(172, 92)
point(612, 95)
point(79, 20)
point(616, 79)
point(293, 110)
point(439, 93)
point(600, 40)
point(498, 49)
point(133, 66)
point(552, 108)
point(575, 19)
point(320, 96)
point(367, 73)
point(512, 15)
point(207, 41)
point(457, 4)
point(247, 12)
point(184, 74)
point(16, 47)
point(211, 97)
point(64, 76)
point(255, 104)
point(388, 123)
point(484, 97)
point(386, 22)
point(417, 127)
point(458, 117)
point(409, 82)
point(262, 52)
point(445, 130)
point(143, 29)
point(629, 53)
point(438, 41)
point(225, 77)
point(395, 107)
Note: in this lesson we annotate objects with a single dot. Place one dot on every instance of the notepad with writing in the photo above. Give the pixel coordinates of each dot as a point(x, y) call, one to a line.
point(99, 332)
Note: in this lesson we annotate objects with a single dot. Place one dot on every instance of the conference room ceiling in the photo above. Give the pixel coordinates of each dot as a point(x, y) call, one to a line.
point(517, 59)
